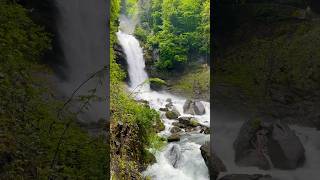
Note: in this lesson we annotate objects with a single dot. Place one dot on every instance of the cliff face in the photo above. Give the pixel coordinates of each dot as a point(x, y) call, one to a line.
point(267, 60)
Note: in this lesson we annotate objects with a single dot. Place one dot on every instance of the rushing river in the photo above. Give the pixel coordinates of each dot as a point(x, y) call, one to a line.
point(190, 165)
point(226, 130)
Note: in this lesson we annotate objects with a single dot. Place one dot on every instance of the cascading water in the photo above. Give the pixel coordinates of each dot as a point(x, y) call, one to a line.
point(82, 32)
point(184, 162)
point(136, 65)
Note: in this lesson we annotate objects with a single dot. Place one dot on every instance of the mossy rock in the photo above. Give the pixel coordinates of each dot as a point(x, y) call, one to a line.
point(172, 114)
point(178, 124)
point(175, 129)
point(164, 109)
point(194, 122)
point(149, 159)
point(160, 127)
point(173, 138)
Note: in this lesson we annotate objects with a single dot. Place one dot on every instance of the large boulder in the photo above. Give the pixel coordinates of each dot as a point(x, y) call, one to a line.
point(175, 129)
point(173, 137)
point(284, 147)
point(188, 123)
point(178, 124)
point(174, 155)
point(172, 114)
point(267, 145)
point(213, 162)
point(193, 107)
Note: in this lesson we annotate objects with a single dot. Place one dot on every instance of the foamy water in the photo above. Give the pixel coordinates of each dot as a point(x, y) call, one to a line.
point(191, 164)
point(227, 131)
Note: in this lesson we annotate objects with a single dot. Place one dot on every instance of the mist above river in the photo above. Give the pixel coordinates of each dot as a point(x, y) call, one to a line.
point(82, 31)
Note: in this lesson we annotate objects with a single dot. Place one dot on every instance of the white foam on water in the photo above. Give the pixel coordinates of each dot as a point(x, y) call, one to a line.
point(191, 166)
point(227, 131)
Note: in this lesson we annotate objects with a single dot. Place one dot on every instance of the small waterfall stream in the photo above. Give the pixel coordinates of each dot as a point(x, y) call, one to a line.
point(82, 32)
point(188, 162)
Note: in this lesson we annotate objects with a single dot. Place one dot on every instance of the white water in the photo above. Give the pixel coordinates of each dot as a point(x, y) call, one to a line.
point(226, 131)
point(135, 60)
point(191, 166)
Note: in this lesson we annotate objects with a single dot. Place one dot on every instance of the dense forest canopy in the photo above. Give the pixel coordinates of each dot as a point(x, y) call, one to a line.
point(179, 30)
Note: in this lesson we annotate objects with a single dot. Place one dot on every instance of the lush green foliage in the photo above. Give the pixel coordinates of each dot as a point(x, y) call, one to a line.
point(194, 84)
point(30, 127)
point(138, 120)
point(276, 53)
point(180, 29)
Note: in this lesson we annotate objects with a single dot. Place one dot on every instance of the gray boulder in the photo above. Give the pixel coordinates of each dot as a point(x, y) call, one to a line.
point(178, 124)
point(175, 129)
point(174, 155)
point(173, 137)
point(267, 145)
point(213, 162)
point(193, 107)
point(285, 148)
point(172, 114)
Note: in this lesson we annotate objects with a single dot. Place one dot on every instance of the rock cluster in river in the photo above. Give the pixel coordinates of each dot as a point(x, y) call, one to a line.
point(193, 107)
point(267, 145)
point(216, 166)
point(183, 123)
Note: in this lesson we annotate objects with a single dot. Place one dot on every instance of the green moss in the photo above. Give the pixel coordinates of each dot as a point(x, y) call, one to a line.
point(28, 116)
point(194, 122)
point(288, 58)
point(255, 123)
point(194, 84)
point(171, 115)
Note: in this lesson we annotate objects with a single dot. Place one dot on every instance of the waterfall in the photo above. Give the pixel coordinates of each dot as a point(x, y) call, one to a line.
point(136, 66)
point(82, 31)
point(184, 162)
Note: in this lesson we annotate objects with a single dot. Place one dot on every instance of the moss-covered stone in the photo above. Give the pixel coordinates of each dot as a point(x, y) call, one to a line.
point(172, 114)
point(173, 138)
point(194, 122)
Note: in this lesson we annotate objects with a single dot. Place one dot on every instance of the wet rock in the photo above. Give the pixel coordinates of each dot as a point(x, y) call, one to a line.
point(285, 148)
point(199, 108)
point(178, 124)
point(213, 162)
point(193, 107)
point(184, 120)
point(205, 130)
point(174, 137)
point(156, 86)
point(267, 145)
point(173, 114)
point(194, 122)
point(159, 126)
point(246, 177)
point(149, 159)
point(143, 102)
point(169, 104)
point(164, 109)
point(175, 129)
point(174, 155)
point(189, 121)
